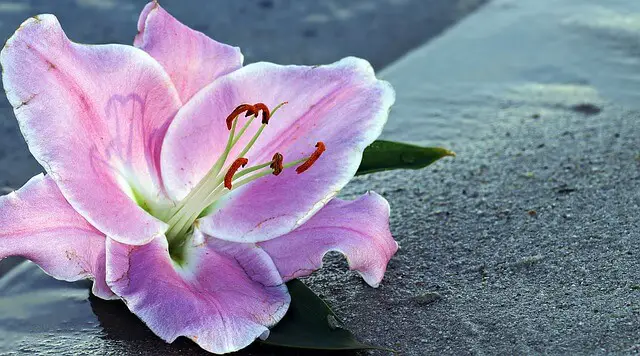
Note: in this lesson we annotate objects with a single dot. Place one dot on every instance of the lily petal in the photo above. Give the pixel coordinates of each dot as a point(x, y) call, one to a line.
point(94, 117)
point(223, 296)
point(342, 104)
point(192, 59)
point(37, 223)
point(358, 229)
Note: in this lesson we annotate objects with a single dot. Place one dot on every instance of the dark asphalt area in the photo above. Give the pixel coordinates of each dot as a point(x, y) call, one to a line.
point(526, 243)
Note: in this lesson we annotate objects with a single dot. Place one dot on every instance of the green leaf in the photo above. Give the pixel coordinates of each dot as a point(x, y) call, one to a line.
point(386, 155)
point(311, 324)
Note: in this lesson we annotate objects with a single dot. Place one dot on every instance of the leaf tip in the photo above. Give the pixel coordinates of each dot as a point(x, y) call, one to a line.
point(450, 153)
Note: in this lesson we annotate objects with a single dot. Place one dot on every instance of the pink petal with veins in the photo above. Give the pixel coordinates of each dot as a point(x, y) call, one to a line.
point(37, 223)
point(192, 59)
point(358, 229)
point(342, 104)
point(95, 118)
point(223, 296)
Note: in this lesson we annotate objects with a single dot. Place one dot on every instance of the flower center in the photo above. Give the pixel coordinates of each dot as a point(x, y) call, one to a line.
point(228, 174)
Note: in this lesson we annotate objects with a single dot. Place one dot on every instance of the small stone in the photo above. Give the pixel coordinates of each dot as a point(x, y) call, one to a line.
point(427, 298)
point(587, 109)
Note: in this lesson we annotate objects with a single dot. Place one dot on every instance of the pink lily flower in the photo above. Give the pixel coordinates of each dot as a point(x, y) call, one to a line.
point(185, 184)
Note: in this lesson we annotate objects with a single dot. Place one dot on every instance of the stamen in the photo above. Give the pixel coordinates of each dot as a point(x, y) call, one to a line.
point(250, 109)
point(277, 163)
point(240, 162)
point(216, 184)
point(320, 147)
point(278, 107)
point(266, 115)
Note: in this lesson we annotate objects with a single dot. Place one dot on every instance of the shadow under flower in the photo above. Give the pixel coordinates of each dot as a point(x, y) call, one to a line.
point(121, 326)
point(46, 316)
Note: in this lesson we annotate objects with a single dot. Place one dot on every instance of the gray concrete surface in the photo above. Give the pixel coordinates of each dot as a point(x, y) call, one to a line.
point(526, 243)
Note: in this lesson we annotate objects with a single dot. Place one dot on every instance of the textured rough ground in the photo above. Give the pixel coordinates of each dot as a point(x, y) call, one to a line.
point(526, 243)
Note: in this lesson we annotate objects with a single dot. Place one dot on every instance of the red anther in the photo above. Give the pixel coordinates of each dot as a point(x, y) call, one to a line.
point(277, 163)
point(320, 147)
point(266, 114)
point(250, 109)
point(240, 162)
